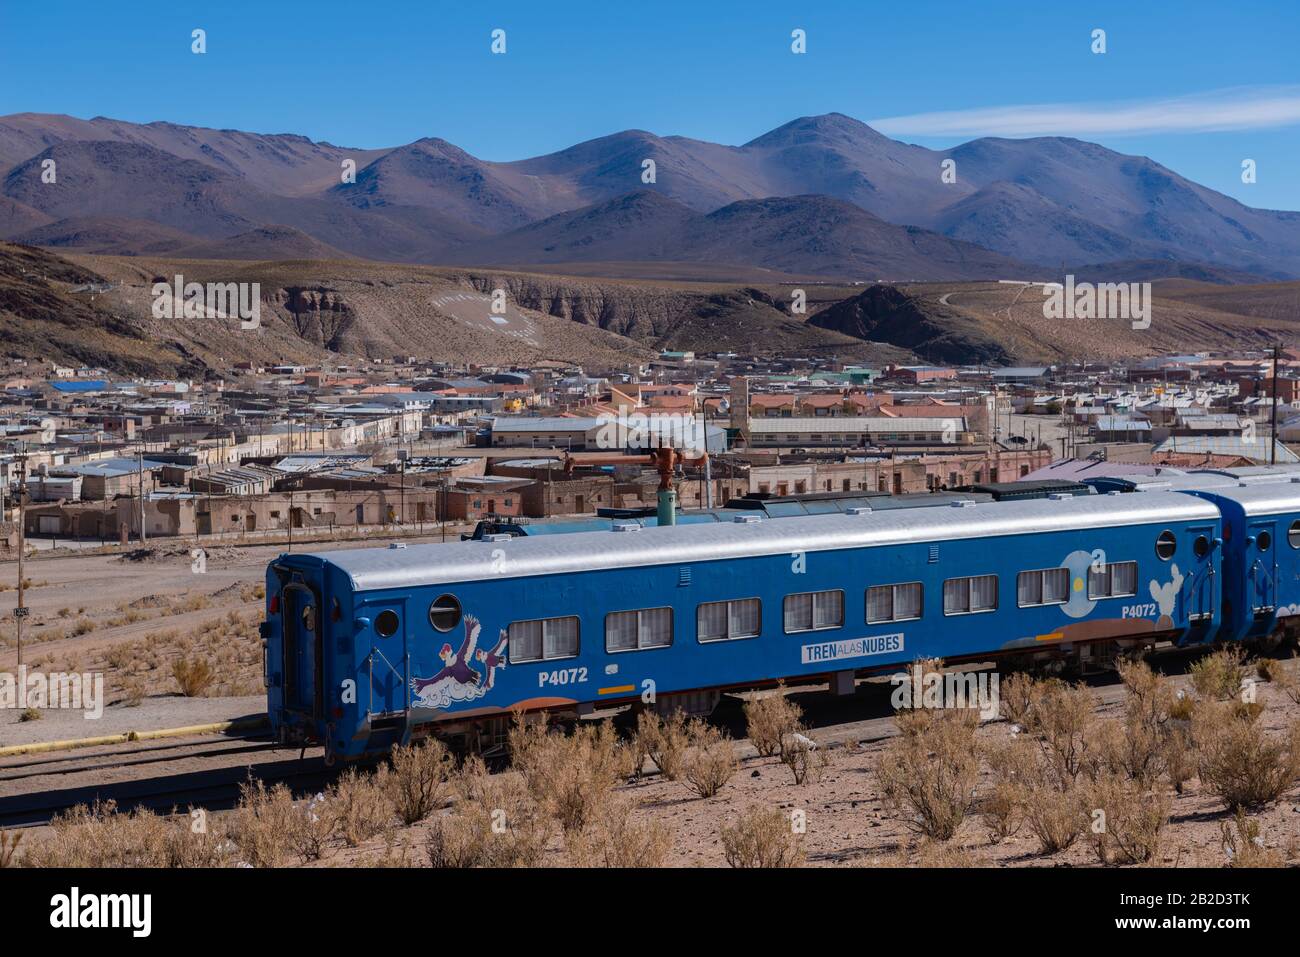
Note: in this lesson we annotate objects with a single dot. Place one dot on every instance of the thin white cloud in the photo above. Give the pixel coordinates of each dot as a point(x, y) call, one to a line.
point(1238, 108)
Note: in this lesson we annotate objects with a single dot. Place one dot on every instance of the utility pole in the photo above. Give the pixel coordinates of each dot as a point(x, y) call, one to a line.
point(139, 476)
point(1272, 457)
point(21, 611)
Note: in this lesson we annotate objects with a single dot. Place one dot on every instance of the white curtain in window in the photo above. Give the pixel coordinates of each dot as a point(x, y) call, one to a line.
point(1123, 578)
point(880, 604)
point(798, 612)
point(745, 617)
point(711, 620)
point(828, 609)
point(1056, 585)
point(1029, 588)
point(1098, 582)
point(983, 593)
point(620, 631)
point(907, 601)
point(561, 637)
point(525, 641)
point(956, 595)
point(656, 628)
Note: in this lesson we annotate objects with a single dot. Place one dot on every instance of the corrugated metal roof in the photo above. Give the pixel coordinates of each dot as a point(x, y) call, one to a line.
point(831, 424)
point(557, 554)
point(1257, 448)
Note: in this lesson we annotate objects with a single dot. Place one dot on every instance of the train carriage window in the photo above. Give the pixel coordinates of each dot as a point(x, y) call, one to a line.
point(813, 611)
point(1166, 545)
point(1201, 547)
point(966, 596)
point(1263, 540)
point(444, 613)
point(1047, 586)
point(724, 620)
point(1293, 535)
point(893, 602)
point(543, 639)
point(1116, 580)
point(639, 630)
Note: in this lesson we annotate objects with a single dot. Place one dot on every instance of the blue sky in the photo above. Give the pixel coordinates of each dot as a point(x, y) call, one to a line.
point(385, 73)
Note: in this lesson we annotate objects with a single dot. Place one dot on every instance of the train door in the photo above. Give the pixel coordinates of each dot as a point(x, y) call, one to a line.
point(303, 675)
point(1261, 564)
point(388, 663)
point(1200, 589)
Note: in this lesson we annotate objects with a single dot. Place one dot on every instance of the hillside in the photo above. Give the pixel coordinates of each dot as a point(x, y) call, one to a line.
point(1045, 200)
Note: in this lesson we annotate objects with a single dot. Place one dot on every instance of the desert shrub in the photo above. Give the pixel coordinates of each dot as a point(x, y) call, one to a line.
point(614, 839)
point(30, 714)
point(1239, 761)
point(1127, 819)
point(710, 760)
point(1288, 680)
point(941, 854)
point(1243, 843)
point(1219, 675)
point(1013, 762)
point(1016, 695)
point(769, 719)
point(9, 841)
point(930, 775)
point(1056, 816)
point(496, 823)
point(263, 823)
point(1130, 746)
point(569, 776)
point(1267, 669)
point(418, 782)
point(1063, 720)
point(666, 740)
point(101, 837)
point(762, 837)
point(194, 675)
point(313, 828)
point(802, 755)
point(363, 804)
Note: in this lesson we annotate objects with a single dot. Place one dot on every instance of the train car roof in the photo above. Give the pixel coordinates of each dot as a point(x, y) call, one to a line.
point(375, 568)
point(1262, 498)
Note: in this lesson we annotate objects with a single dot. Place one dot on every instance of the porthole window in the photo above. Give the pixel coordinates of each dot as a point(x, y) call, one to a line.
point(1293, 535)
point(1166, 545)
point(444, 613)
point(386, 624)
point(1201, 546)
point(1263, 540)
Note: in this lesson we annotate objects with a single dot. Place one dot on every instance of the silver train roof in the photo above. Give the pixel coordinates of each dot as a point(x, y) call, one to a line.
point(374, 568)
point(1263, 498)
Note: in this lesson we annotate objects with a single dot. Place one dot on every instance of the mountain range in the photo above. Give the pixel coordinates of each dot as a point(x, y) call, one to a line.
point(822, 196)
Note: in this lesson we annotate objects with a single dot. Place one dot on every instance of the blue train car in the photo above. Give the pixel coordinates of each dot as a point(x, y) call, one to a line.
point(366, 647)
point(1261, 555)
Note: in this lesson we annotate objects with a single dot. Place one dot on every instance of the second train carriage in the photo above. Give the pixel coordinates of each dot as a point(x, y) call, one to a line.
point(367, 647)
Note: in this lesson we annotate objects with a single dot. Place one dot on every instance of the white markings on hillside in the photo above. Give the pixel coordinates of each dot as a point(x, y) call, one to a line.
point(474, 309)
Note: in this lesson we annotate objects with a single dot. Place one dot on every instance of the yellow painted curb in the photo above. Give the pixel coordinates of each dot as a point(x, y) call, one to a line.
point(41, 747)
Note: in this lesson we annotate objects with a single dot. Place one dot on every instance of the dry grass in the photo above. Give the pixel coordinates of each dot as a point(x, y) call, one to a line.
point(665, 740)
point(929, 774)
point(1127, 819)
point(1243, 843)
point(1239, 761)
point(710, 761)
point(419, 779)
point(363, 805)
point(9, 841)
point(1063, 721)
point(770, 719)
point(495, 823)
point(570, 777)
point(803, 757)
point(100, 837)
point(1013, 762)
point(194, 676)
point(263, 823)
point(1219, 675)
point(613, 839)
point(762, 837)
